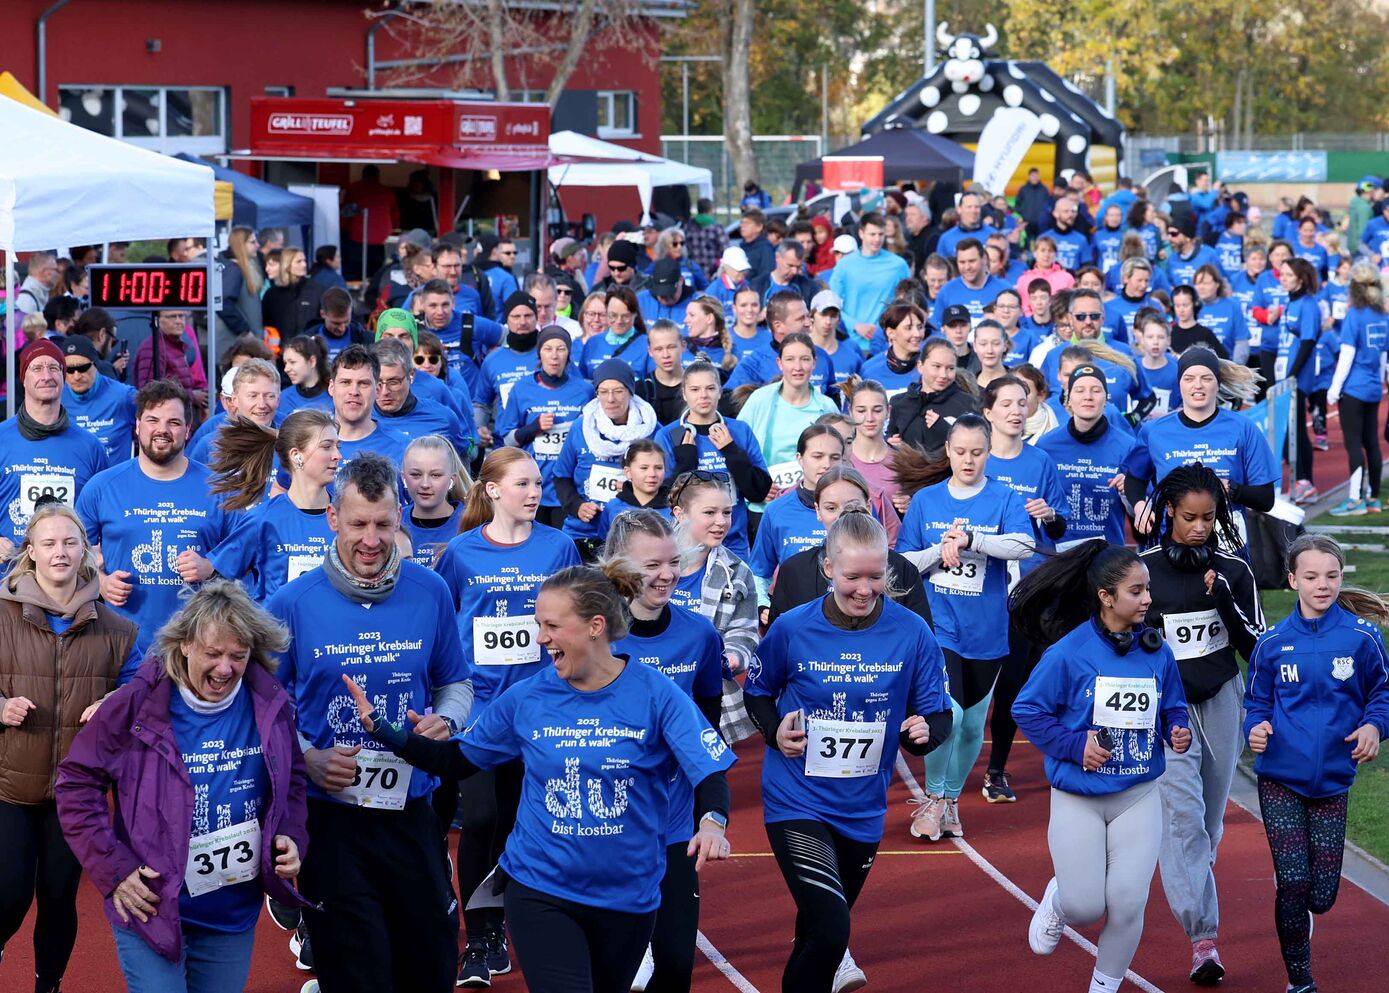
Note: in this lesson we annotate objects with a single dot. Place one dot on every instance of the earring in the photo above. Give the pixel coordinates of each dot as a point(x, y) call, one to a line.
point(299, 461)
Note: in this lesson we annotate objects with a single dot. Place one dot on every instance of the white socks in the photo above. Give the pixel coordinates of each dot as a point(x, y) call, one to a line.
point(1100, 983)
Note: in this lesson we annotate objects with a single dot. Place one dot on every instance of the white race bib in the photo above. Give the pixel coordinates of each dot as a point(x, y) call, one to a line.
point(382, 781)
point(223, 858)
point(967, 577)
point(895, 393)
point(603, 482)
point(1195, 633)
point(1280, 368)
point(785, 475)
point(1164, 397)
point(33, 485)
point(506, 640)
point(1256, 335)
point(549, 443)
point(300, 564)
point(843, 749)
point(1338, 310)
point(1126, 704)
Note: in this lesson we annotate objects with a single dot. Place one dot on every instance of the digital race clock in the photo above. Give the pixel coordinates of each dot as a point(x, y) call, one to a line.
point(149, 286)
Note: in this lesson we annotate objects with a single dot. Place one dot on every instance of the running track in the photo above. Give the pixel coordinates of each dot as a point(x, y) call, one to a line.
point(941, 916)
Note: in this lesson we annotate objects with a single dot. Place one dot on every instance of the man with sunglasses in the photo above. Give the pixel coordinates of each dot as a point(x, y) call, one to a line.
point(98, 327)
point(1187, 254)
point(1129, 391)
point(495, 257)
point(622, 269)
point(95, 402)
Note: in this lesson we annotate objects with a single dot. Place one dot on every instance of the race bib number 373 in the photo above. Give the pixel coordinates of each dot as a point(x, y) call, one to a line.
point(223, 858)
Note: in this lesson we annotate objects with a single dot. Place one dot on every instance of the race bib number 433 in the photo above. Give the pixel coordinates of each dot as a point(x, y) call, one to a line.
point(843, 749)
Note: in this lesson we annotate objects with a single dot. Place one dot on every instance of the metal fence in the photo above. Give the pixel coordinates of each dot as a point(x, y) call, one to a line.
point(777, 158)
point(1300, 141)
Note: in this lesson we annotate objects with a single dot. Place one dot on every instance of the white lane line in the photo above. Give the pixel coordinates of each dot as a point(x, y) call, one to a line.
point(739, 981)
point(989, 870)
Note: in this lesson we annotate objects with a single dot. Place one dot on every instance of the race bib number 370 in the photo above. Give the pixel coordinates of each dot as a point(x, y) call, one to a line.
point(382, 781)
point(843, 749)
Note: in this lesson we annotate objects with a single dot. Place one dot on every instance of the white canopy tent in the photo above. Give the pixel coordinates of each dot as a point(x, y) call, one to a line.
point(62, 185)
point(614, 165)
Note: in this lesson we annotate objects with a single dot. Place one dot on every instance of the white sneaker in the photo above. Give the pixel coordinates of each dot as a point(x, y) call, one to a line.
point(648, 966)
point(1044, 933)
point(926, 821)
point(310, 987)
point(950, 818)
point(848, 977)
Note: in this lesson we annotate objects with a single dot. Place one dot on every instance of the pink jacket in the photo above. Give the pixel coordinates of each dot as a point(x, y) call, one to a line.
point(1059, 279)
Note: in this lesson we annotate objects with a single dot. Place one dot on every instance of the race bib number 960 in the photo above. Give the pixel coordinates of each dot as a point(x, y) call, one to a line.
point(506, 640)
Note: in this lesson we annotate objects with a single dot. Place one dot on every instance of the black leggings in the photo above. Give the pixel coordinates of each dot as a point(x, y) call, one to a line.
point(1022, 659)
point(1303, 468)
point(825, 872)
point(677, 924)
point(568, 947)
point(971, 680)
point(1307, 838)
point(38, 863)
point(1359, 425)
point(487, 813)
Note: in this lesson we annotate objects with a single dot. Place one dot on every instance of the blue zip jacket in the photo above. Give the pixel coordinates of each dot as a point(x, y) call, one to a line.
point(1058, 707)
point(1316, 681)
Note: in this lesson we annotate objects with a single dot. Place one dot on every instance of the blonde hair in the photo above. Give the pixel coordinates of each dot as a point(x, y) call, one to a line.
point(1361, 603)
point(225, 605)
point(287, 256)
point(34, 326)
point(23, 564)
point(460, 483)
point(250, 271)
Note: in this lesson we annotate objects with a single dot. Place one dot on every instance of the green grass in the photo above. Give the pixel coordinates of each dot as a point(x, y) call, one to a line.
point(1368, 821)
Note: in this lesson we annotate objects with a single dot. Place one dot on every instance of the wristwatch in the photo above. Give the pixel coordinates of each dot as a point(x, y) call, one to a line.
point(718, 820)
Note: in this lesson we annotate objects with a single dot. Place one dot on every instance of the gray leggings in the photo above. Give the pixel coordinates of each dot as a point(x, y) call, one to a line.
point(1104, 850)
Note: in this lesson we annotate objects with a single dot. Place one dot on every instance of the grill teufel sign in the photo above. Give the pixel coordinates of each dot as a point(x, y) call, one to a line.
point(301, 122)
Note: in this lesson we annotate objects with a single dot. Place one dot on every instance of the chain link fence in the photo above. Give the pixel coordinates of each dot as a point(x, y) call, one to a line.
point(1300, 141)
point(777, 158)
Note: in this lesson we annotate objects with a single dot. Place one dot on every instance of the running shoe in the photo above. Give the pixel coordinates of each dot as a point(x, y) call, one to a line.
point(996, 788)
point(303, 951)
point(1349, 508)
point(1044, 933)
point(310, 987)
point(950, 820)
point(473, 973)
point(1320, 443)
point(848, 977)
point(285, 917)
point(926, 819)
point(644, 972)
point(498, 958)
point(1373, 506)
point(1304, 988)
point(1304, 492)
point(1206, 967)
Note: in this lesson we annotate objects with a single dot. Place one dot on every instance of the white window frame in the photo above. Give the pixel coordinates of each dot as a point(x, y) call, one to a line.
point(610, 98)
point(164, 142)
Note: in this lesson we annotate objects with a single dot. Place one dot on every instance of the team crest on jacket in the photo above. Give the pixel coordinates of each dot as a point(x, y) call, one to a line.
point(1343, 668)
point(713, 744)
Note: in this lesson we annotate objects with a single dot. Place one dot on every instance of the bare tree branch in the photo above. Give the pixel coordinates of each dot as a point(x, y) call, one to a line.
point(581, 27)
point(496, 32)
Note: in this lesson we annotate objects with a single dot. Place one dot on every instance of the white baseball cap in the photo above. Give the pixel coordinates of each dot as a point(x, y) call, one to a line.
point(845, 244)
point(735, 258)
point(229, 380)
point(826, 300)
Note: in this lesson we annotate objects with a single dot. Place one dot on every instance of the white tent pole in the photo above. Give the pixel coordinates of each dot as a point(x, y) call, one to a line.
point(11, 294)
point(214, 388)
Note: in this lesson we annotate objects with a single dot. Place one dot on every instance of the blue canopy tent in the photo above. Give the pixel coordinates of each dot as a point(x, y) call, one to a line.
point(258, 204)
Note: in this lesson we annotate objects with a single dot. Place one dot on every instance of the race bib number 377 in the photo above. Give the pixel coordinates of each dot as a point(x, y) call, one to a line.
point(843, 749)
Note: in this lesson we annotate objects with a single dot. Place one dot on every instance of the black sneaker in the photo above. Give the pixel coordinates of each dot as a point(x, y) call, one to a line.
point(299, 945)
point(498, 960)
point(996, 788)
point(285, 917)
point(473, 973)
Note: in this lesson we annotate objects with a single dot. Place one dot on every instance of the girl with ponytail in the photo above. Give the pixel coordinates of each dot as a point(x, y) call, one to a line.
point(437, 485)
point(581, 871)
point(1101, 705)
point(1317, 706)
point(493, 570)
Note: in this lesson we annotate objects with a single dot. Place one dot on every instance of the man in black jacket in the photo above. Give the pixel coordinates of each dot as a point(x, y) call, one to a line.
point(1033, 202)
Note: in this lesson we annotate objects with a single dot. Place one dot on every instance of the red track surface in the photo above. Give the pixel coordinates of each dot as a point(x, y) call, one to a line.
point(929, 917)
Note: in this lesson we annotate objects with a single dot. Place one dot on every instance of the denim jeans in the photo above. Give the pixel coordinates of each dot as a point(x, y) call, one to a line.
point(213, 962)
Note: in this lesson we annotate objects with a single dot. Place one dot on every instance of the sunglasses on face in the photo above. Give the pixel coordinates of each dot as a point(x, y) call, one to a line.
point(428, 359)
point(1087, 317)
point(79, 368)
point(1172, 232)
point(677, 244)
point(616, 268)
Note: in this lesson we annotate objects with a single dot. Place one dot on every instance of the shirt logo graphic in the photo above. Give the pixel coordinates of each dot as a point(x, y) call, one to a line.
point(1343, 668)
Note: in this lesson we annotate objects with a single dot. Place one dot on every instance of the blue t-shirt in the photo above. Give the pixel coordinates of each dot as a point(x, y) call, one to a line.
point(846, 361)
point(1225, 317)
point(489, 582)
point(1244, 289)
point(1093, 509)
point(1301, 321)
point(292, 400)
point(617, 506)
point(1066, 694)
point(689, 590)
point(761, 341)
point(501, 370)
point(61, 465)
point(759, 367)
point(107, 410)
point(382, 440)
point(1119, 315)
point(788, 526)
point(398, 650)
point(1367, 331)
point(427, 541)
point(956, 292)
point(1072, 248)
point(1105, 245)
point(528, 399)
point(872, 677)
point(1230, 248)
point(1031, 474)
point(142, 525)
point(222, 755)
point(600, 770)
point(429, 417)
point(1020, 347)
point(599, 349)
point(1269, 292)
point(1182, 271)
point(966, 600)
point(1163, 383)
point(690, 652)
point(1335, 297)
point(876, 368)
point(597, 480)
point(272, 544)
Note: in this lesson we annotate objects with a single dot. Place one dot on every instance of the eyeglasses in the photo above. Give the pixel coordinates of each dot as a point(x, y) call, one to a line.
point(621, 393)
point(677, 244)
point(428, 359)
point(596, 315)
point(1172, 232)
point(620, 318)
point(394, 383)
point(683, 481)
point(79, 368)
point(616, 268)
point(1087, 317)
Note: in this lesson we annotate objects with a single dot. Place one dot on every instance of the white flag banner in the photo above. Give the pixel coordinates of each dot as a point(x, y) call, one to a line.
point(1002, 145)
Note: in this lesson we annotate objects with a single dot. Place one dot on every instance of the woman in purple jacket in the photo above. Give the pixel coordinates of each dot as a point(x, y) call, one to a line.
point(201, 753)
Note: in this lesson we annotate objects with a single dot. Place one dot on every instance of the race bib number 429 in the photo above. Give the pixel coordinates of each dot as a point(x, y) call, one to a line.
point(1126, 704)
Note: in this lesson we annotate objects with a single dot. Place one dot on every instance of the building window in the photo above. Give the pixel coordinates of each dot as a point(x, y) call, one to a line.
point(279, 91)
point(617, 113)
point(166, 119)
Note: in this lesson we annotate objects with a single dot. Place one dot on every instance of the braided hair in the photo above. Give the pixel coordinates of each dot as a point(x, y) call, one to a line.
point(1194, 478)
